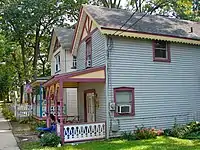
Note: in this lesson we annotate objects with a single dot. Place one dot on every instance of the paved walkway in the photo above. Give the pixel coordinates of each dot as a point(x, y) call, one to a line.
point(7, 139)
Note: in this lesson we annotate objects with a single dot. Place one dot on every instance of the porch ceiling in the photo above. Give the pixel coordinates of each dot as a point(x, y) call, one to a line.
point(95, 74)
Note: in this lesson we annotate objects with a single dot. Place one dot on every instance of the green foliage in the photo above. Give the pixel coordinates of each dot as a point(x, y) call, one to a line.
point(160, 143)
point(190, 130)
point(128, 136)
point(35, 124)
point(50, 139)
point(7, 113)
point(144, 133)
point(27, 120)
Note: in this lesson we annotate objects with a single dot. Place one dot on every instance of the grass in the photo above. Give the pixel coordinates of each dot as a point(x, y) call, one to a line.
point(161, 143)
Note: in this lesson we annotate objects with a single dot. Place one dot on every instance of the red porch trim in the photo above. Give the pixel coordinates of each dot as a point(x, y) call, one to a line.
point(49, 82)
point(85, 80)
point(65, 76)
point(75, 73)
point(116, 29)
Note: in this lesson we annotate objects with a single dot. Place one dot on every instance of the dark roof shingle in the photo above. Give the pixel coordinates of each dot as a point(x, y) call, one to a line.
point(64, 36)
point(154, 24)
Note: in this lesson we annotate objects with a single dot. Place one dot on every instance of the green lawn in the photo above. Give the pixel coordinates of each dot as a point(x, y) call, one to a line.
point(161, 143)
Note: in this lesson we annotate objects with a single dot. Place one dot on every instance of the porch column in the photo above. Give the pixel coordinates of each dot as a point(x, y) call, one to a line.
point(41, 98)
point(47, 106)
point(55, 101)
point(61, 111)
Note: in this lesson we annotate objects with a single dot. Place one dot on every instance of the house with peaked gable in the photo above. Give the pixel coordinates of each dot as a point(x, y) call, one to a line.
point(144, 72)
point(61, 61)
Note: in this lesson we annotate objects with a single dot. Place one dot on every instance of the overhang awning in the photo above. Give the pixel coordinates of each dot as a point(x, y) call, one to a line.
point(39, 81)
point(71, 79)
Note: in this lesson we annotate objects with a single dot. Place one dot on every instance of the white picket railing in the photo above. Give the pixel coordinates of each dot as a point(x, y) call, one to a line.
point(21, 111)
point(83, 132)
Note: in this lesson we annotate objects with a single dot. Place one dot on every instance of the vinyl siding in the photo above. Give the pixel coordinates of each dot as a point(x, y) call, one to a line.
point(163, 91)
point(100, 90)
point(98, 51)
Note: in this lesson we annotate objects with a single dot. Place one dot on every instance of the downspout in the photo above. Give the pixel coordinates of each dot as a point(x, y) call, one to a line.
point(107, 90)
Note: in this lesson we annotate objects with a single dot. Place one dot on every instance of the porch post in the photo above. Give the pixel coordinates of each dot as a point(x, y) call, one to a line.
point(55, 101)
point(61, 111)
point(41, 91)
point(47, 106)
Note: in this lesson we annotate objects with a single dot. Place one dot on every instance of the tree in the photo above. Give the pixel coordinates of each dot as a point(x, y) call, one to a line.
point(28, 23)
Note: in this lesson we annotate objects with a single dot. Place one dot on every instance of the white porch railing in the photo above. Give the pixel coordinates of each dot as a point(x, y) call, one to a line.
point(21, 111)
point(83, 132)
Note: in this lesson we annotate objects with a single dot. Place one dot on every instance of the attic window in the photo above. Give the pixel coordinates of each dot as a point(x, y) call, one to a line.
point(74, 63)
point(161, 51)
point(57, 62)
point(57, 45)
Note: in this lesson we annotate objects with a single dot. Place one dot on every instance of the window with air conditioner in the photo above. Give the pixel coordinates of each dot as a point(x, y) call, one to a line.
point(123, 109)
point(88, 61)
point(124, 101)
point(57, 62)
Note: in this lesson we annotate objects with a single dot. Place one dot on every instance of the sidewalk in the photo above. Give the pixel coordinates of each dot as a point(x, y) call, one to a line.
point(7, 139)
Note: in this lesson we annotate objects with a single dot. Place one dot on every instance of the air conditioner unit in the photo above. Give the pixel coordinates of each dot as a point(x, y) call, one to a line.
point(89, 64)
point(124, 109)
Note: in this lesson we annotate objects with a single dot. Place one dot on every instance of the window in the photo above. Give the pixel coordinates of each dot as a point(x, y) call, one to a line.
point(124, 101)
point(161, 51)
point(57, 62)
point(88, 62)
point(74, 63)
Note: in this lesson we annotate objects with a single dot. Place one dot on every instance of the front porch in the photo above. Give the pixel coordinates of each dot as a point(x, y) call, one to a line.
point(89, 123)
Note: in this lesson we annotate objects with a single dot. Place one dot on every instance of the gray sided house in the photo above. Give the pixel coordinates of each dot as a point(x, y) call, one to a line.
point(152, 68)
point(146, 72)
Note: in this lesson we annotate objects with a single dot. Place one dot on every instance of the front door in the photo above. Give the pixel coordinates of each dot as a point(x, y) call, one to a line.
point(90, 106)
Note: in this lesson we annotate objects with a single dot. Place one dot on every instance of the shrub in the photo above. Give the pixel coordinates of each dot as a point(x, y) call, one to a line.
point(128, 136)
point(26, 120)
point(167, 132)
point(145, 133)
point(184, 131)
point(50, 139)
point(8, 114)
point(35, 124)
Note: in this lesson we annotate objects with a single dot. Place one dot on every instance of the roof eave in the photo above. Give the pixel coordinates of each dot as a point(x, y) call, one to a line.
point(136, 34)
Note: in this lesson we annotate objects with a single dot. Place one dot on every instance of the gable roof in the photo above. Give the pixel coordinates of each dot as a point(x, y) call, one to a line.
point(64, 36)
point(110, 20)
point(153, 24)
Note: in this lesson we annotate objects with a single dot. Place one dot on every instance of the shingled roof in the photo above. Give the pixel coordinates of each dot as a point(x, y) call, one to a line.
point(64, 36)
point(152, 24)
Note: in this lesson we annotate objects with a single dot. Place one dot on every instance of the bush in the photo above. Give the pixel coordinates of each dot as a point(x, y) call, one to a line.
point(128, 136)
point(8, 114)
point(26, 120)
point(189, 130)
point(145, 133)
point(50, 139)
point(35, 124)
